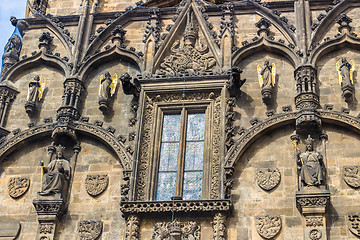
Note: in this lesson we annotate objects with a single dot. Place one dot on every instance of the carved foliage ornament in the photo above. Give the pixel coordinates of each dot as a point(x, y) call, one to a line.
point(90, 229)
point(268, 178)
point(354, 223)
point(314, 221)
point(176, 230)
point(96, 184)
point(351, 175)
point(18, 186)
point(268, 226)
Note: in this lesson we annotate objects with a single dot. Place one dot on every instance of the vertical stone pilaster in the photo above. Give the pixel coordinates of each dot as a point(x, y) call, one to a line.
point(132, 231)
point(219, 226)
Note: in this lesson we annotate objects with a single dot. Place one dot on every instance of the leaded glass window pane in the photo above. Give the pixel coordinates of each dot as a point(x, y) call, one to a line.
point(194, 156)
point(169, 152)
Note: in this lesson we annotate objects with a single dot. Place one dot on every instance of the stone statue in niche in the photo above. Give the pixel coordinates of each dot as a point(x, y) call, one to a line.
point(107, 90)
point(35, 94)
point(56, 175)
point(266, 75)
point(311, 165)
point(346, 81)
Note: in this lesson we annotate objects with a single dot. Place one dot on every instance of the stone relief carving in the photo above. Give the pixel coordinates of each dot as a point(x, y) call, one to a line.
point(96, 184)
point(18, 186)
point(268, 226)
point(219, 227)
point(312, 201)
point(268, 178)
point(90, 229)
point(315, 234)
point(351, 175)
point(147, 131)
point(314, 221)
point(192, 54)
point(132, 231)
point(353, 222)
point(46, 228)
point(176, 230)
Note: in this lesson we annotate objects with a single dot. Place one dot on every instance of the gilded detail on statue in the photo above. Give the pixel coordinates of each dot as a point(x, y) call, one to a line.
point(18, 186)
point(268, 178)
point(96, 184)
point(351, 175)
point(176, 230)
point(90, 229)
point(268, 226)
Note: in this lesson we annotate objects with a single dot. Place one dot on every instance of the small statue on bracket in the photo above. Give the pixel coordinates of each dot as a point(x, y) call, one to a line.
point(266, 75)
point(130, 88)
point(235, 82)
point(107, 90)
point(35, 94)
point(346, 81)
point(56, 175)
point(311, 165)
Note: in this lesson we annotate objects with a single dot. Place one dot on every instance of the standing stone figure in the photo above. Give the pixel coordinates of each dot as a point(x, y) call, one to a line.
point(106, 90)
point(345, 71)
point(33, 89)
point(56, 175)
point(311, 165)
point(266, 75)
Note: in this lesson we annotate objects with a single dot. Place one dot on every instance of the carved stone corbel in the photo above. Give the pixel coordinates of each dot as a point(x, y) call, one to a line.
point(344, 22)
point(118, 36)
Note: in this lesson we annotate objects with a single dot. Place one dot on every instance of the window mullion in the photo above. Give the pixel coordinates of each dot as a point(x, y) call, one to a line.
point(181, 159)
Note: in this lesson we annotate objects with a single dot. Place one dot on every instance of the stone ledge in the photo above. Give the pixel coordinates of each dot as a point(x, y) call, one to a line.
point(311, 202)
point(177, 206)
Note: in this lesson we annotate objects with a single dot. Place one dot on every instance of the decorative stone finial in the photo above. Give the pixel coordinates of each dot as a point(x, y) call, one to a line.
point(344, 22)
point(263, 24)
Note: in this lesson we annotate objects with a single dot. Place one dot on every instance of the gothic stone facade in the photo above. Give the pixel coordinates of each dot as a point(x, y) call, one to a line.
point(269, 89)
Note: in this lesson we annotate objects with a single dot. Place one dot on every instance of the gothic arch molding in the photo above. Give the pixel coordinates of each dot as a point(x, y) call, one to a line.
point(11, 144)
point(345, 40)
point(40, 59)
point(330, 19)
point(108, 56)
point(270, 46)
point(255, 132)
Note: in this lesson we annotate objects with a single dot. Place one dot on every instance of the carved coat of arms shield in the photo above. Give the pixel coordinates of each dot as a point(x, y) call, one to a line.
point(96, 184)
point(268, 178)
point(353, 222)
point(268, 226)
point(351, 175)
point(18, 186)
point(90, 229)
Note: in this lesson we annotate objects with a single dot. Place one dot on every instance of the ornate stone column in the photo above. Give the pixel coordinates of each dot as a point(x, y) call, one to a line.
point(306, 100)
